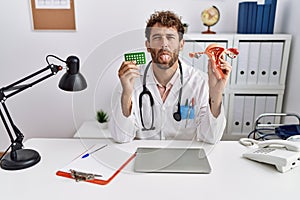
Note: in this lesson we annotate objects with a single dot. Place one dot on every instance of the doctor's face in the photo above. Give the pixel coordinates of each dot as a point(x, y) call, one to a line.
point(164, 46)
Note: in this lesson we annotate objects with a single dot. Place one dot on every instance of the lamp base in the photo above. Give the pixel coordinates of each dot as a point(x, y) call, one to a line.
point(24, 158)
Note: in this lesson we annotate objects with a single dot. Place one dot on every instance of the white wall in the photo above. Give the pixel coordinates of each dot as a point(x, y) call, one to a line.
point(104, 32)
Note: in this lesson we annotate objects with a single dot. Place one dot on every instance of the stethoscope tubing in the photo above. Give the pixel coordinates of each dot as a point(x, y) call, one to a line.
point(146, 91)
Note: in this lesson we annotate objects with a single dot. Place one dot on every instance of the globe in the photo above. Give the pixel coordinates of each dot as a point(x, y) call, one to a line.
point(210, 17)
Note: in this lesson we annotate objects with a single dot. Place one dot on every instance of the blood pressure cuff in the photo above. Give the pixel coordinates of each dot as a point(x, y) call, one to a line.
point(286, 131)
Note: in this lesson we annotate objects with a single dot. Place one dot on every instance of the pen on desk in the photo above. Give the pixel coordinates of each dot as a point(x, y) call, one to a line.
point(87, 154)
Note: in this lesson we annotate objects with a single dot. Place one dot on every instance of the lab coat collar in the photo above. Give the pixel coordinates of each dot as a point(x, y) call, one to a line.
point(176, 86)
point(185, 74)
point(152, 84)
point(171, 82)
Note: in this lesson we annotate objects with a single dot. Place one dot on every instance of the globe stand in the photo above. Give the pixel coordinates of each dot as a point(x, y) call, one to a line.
point(208, 31)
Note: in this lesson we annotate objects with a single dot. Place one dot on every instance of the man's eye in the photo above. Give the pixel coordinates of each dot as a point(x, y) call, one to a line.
point(171, 37)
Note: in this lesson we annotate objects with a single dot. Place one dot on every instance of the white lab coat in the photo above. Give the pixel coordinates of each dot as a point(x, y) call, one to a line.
point(204, 127)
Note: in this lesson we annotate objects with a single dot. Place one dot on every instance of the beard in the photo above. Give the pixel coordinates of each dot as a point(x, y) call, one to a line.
point(164, 64)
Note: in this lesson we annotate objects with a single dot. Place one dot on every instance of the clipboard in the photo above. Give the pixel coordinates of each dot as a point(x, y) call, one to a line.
point(100, 167)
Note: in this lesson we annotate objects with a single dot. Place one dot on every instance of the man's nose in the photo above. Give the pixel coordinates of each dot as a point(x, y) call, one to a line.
point(165, 43)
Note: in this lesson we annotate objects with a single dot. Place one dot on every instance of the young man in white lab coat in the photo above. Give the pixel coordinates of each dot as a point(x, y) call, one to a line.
point(172, 84)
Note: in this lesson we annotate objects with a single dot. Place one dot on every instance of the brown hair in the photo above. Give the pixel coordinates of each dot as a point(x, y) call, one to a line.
point(165, 18)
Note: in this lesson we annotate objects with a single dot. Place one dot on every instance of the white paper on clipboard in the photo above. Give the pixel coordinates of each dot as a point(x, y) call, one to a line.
point(105, 162)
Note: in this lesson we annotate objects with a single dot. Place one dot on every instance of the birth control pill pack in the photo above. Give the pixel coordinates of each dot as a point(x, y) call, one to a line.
point(139, 57)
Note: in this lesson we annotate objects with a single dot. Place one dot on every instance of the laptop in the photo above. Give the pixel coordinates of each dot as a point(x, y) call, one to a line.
point(171, 160)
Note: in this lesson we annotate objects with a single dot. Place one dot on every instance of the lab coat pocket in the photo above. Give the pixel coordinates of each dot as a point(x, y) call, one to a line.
point(188, 121)
point(185, 128)
point(187, 112)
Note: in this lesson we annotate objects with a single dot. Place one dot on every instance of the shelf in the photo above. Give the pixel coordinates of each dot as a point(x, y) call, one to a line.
point(258, 74)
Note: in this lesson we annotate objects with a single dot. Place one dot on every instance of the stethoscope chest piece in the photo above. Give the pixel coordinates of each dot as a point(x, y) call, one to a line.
point(177, 114)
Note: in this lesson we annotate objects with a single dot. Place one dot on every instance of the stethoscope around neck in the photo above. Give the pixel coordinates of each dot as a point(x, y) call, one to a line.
point(146, 91)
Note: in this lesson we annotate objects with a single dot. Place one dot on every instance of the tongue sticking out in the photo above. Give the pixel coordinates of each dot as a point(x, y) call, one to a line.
point(165, 57)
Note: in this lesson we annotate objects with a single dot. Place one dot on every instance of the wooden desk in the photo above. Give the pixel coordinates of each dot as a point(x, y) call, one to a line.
point(232, 177)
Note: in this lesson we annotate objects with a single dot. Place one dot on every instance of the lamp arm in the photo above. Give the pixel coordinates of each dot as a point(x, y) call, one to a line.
point(17, 142)
point(6, 126)
point(19, 157)
point(19, 88)
point(15, 129)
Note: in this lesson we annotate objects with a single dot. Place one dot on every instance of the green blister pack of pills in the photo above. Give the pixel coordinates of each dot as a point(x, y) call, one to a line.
point(139, 57)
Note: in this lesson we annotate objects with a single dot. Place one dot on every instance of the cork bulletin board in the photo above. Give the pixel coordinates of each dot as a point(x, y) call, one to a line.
point(50, 15)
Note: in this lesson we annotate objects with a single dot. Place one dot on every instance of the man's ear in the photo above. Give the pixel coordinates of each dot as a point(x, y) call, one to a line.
point(147, 44)
point(181, 44)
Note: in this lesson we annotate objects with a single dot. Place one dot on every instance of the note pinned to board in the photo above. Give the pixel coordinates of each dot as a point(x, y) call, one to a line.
point(53, 14)
point(52, 4)
point(101, 167)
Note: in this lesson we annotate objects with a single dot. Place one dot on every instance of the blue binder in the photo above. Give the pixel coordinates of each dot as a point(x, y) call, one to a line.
point(251, 17)
point(259, 17)
point(273, 4)
point(265, 19)
point(242, 17)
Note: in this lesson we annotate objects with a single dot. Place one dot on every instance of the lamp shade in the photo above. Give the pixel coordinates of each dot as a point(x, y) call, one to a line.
point(72, 80)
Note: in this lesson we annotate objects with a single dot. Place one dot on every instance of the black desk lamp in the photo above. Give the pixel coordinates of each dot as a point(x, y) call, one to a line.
point(72, 80)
